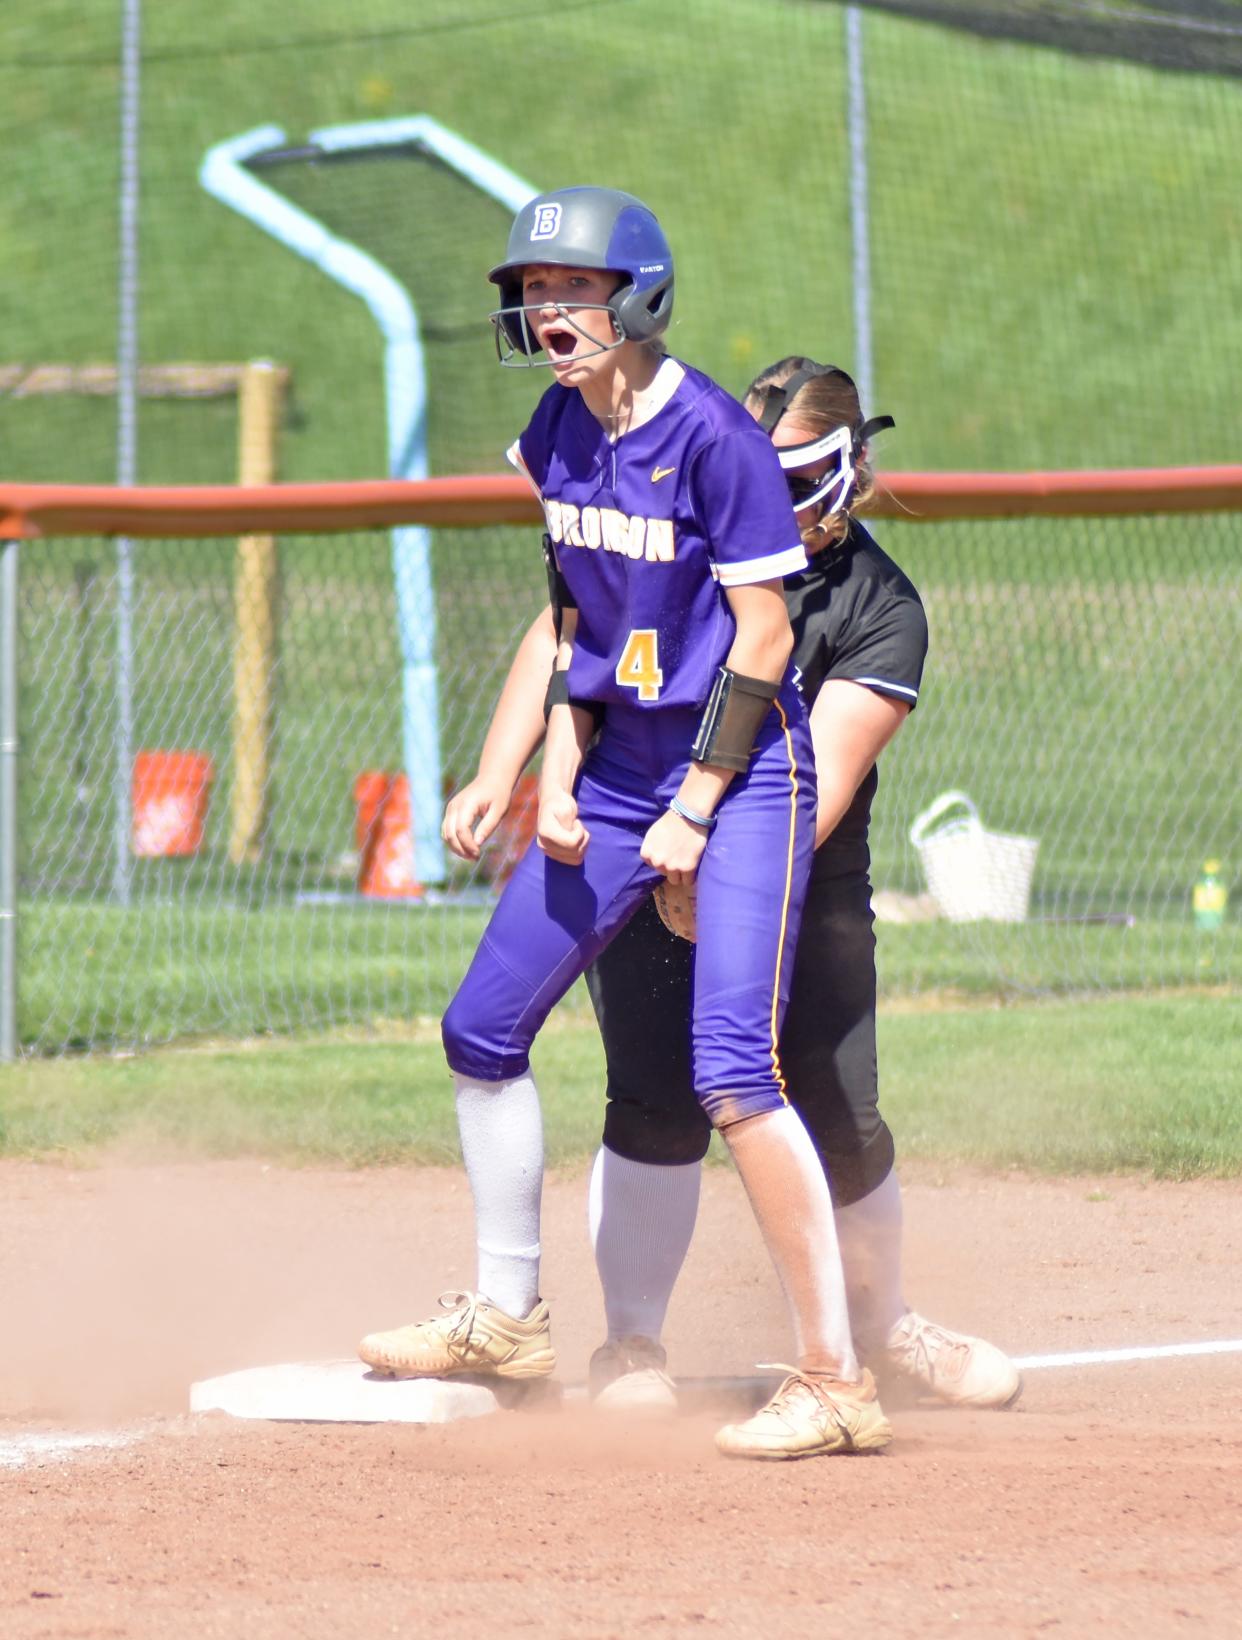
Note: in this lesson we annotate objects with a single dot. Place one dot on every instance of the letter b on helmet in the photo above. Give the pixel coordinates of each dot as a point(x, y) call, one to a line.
point(547, 221)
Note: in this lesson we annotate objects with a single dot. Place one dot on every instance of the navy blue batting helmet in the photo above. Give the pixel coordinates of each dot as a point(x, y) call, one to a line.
point(590, 228)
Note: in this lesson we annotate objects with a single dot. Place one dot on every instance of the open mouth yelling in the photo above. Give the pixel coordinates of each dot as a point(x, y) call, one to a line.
point(559, 343)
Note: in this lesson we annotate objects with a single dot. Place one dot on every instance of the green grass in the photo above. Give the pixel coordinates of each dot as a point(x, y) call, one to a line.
point(92, 975)
point(1056, 239)
point(1057, 246)
point(1142, 1084)
point(1130, 1084)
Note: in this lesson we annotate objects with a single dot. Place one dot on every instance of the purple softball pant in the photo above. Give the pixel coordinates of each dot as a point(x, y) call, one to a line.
point(553, 920)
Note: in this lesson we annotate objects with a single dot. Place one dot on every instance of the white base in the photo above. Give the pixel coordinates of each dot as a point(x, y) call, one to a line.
point(347, 1392)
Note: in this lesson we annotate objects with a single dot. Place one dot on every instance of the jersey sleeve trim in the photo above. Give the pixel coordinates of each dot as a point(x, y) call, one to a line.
point(771, 568)
point(668, 378)
point(513, 455)
point(886, 686)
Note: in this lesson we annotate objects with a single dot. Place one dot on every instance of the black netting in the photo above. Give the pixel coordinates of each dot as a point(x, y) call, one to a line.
point(382, 201)
point(1191, 36)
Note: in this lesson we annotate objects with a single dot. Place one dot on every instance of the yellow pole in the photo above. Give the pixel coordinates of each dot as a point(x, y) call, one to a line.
point(256, 594)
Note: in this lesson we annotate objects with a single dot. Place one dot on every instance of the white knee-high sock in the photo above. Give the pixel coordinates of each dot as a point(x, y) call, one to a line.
point(789, 1195)
point(869, 1232)
point(641, 1218)
point(501, 1128)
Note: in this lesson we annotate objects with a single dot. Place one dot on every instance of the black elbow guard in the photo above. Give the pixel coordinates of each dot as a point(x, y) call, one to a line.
point(559, 595)
point(558, 692)
point(732, 719)
point(558, 695)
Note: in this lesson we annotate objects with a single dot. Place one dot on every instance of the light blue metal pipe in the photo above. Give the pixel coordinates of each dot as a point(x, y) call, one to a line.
point(411, 547)
point(224, 175)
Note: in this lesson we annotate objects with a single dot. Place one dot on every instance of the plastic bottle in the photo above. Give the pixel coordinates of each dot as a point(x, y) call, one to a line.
point(1209, 898)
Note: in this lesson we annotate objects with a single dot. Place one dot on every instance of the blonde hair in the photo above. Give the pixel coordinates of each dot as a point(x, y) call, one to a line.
point(821, 405)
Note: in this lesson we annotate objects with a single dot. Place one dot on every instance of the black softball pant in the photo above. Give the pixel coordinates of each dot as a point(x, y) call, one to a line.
point(641, 987)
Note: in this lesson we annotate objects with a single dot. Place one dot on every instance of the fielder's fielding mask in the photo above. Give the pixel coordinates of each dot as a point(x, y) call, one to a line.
point(586, 228)
point(834, 488)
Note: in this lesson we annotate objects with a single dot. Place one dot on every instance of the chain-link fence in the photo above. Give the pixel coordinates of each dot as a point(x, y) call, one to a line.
point(1014, 220)
point(1074, 692)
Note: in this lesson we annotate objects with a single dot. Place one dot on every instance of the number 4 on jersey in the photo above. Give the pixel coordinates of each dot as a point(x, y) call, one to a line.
point(639, 666)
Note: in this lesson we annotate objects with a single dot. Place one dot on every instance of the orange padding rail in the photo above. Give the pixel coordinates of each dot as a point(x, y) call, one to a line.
point(28, 511)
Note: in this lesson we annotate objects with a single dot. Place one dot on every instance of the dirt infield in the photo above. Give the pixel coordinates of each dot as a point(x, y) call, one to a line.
point(1108, 1503)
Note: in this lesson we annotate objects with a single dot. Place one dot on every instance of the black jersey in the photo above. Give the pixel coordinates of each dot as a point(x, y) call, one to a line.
point(855, 615)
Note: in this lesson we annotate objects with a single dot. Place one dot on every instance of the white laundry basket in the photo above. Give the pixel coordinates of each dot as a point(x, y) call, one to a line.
point(972, 873)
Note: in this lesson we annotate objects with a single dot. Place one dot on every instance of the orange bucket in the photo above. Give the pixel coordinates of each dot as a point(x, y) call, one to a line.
point(515, 833)
point(383, 825)
point(169, 802)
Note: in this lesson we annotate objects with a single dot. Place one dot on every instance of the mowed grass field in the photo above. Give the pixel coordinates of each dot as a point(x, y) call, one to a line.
point(1127, 1084)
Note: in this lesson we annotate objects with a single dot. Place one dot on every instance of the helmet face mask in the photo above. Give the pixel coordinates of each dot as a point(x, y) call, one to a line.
point(597, 228)
point(842, 447)
point(516, 344)
point(806, 491)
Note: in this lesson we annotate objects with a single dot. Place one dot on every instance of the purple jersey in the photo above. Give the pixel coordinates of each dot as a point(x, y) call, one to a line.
point(651, 528)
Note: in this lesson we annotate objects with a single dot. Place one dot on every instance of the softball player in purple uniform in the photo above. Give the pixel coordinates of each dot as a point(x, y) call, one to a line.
point(677, 749)
point(860, 642)
point(861, 639)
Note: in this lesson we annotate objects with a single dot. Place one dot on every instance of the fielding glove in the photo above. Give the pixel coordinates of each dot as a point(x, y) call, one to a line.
point(676, 904)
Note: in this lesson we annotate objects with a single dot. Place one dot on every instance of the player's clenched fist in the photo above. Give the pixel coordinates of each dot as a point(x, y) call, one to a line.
point(473, 815)
point(560, 833)
point(674, 847)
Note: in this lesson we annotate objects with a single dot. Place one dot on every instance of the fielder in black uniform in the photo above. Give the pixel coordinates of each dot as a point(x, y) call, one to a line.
point(860, 642)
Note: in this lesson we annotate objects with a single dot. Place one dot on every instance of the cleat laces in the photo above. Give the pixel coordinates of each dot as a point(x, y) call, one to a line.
point(460, 1335)
point(786, 1397)
point(933, 1353)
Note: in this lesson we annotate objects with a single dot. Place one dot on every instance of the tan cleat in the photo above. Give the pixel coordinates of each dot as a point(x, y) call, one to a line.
point(811, 1416)
point(924, 1359)
point(474, 1336)
point(627, 1375)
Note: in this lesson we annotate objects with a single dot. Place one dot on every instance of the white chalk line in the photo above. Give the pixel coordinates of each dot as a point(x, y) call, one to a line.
point(36, 1446)
point(1152, 1352)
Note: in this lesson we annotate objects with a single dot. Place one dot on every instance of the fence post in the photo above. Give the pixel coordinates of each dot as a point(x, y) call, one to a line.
point(126, 439)
point(256, 596)
point(860, 207)
point(8, 800)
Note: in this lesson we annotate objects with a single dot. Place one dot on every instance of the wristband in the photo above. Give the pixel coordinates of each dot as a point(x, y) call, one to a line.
point(707, 821)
